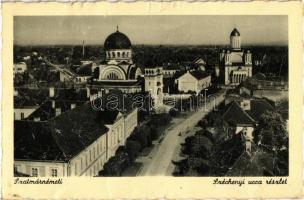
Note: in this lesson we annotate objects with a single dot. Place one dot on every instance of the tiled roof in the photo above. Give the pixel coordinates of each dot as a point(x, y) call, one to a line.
point(258, 107)
point(84, 70)
point(196, 74)
point(199, 74)
point(254, 165)
point(46, 111)
point(237, 115)
point(60, 138)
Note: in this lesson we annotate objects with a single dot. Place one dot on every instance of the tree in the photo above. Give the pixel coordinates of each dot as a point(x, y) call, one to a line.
point(271, 131)
point(271, 134)
point(132, 147)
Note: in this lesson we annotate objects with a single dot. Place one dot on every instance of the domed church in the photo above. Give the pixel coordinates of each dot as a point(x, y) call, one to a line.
point(235, 63)
point(117, 71)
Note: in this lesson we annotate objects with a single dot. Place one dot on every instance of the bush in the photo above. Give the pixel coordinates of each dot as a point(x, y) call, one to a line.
point(160, 119)
point(117, 164)
point(133, 147)
point(154, 132)
point(173, 112)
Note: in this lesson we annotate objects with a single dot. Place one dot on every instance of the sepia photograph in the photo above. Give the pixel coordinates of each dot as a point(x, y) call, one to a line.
point(151, 95)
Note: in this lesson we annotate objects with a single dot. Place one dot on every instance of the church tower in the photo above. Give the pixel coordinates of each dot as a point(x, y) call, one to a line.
point(235, 39)
point(154, 85)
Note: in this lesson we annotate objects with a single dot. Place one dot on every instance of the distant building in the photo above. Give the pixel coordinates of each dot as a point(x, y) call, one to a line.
point(235, 63)
point(19, 68)
point(192, 81)
point(201, 64)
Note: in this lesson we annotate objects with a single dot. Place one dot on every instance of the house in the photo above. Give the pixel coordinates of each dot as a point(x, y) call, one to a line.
point(192, 81)
point(77, 142)
point(23, 108)
point(200, 63)
point(244, 115)
point(19, 68)
point(72, 144)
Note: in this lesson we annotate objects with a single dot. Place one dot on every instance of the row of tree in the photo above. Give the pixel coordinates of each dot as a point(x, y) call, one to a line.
point(140, 139)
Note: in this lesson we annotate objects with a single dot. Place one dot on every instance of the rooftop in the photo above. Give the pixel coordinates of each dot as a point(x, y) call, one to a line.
point(60, 138)
point(237, 115)
point(196, 74)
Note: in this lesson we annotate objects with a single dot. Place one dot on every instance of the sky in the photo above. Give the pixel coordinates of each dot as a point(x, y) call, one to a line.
point(157, 30)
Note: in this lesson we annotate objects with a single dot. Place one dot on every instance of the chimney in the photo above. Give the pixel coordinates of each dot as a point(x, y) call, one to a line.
point(57, 111)
point(53, 104)
point(15, 93)
point(73, 105)
point(245, 104)
point(88, 92)
point(51, 91)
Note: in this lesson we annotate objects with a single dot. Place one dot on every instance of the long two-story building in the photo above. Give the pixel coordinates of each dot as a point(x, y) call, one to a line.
point(77, 142)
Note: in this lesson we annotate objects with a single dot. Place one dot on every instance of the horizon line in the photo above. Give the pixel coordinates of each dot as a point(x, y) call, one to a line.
point(147, 44)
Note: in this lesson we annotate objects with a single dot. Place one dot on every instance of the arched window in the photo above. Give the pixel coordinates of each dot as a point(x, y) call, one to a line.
point(118, 54)
point(113, 54)
point(158, 91)
point(112, 76)
point(123, 54)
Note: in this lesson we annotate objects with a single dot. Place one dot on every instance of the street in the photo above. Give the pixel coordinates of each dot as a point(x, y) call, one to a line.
point(160, 158)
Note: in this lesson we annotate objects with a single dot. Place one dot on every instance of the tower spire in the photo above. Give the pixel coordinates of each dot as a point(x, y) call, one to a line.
point(117, 28)
point(83, 52)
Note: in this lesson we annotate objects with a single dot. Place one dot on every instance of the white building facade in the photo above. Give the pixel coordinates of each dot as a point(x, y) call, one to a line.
point(235, 63)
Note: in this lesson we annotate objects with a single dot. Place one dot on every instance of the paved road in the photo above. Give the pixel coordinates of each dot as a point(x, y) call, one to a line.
point(160, 163)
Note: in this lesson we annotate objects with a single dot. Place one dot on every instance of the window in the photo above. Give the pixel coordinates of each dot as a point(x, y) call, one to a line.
point(113, 54)
point(34, 172)
point(118, 54)
point(112, 76)
point(123, 54)
point(22, 115)
point(54, 173)
point(94, 153)
point(90, 155)
point(75, 168)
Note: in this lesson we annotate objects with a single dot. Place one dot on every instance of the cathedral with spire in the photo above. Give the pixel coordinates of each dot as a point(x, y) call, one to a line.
point(235, 63)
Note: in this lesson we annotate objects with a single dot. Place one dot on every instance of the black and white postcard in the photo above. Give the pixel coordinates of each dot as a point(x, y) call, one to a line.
point(179, 101)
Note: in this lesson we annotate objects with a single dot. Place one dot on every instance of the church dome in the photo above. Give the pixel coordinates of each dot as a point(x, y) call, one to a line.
point(235, 32)
point(117, 40)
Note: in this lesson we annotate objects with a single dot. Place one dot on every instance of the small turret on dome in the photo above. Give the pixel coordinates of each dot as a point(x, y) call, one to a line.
point(235, 32)
point(235, 39)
